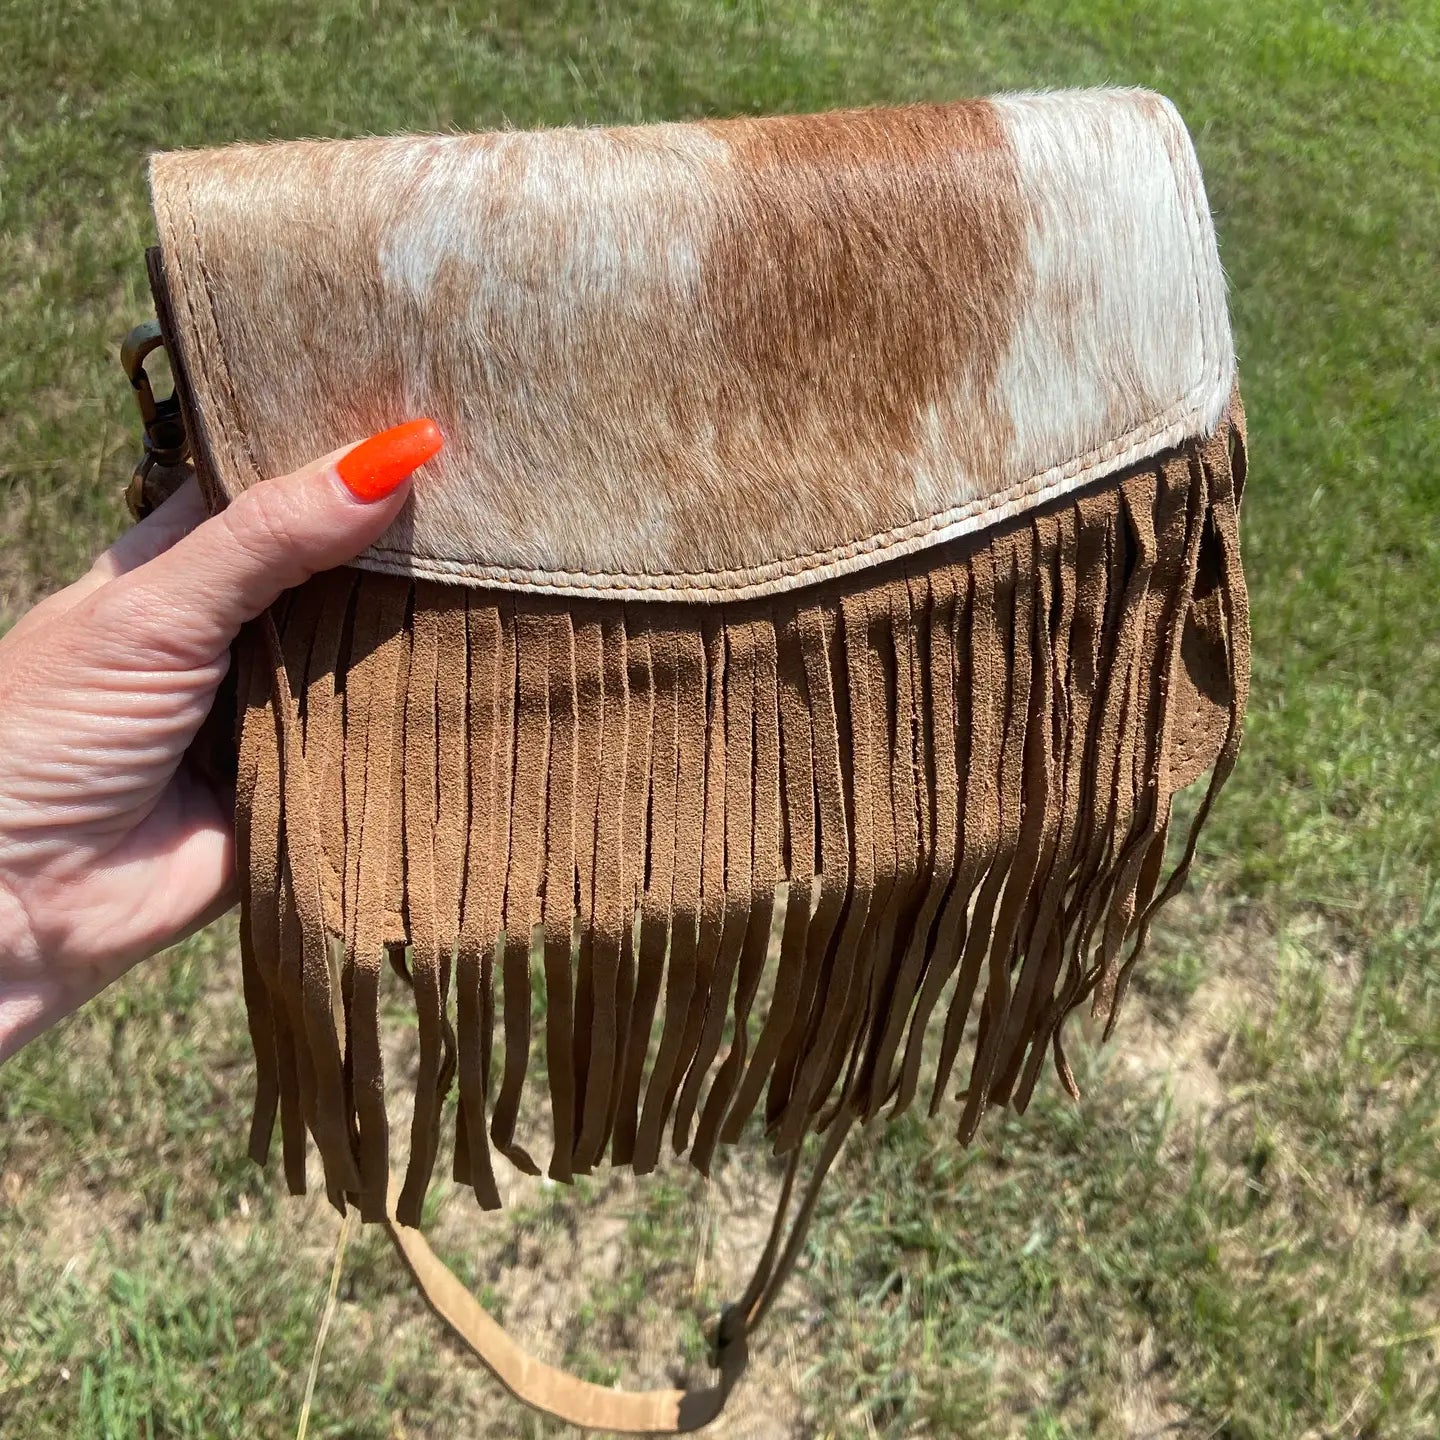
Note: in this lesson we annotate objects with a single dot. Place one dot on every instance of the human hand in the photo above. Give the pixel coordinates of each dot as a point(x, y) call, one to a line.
point(112, 846)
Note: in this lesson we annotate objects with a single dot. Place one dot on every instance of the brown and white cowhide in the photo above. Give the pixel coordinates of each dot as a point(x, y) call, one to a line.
point(703, 361)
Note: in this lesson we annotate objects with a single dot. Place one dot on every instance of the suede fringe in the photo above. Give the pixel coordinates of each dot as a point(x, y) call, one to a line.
point(945, 784)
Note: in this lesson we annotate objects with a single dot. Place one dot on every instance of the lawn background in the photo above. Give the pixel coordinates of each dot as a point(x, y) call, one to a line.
point(1234, 1234)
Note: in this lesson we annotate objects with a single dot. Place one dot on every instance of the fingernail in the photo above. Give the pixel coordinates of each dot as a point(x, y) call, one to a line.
point(377, 465)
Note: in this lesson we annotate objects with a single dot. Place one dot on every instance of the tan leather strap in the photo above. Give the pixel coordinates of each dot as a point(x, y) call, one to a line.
point(579, 1402)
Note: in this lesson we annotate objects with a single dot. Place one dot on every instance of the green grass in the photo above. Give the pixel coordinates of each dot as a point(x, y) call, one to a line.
point(1256, 1258)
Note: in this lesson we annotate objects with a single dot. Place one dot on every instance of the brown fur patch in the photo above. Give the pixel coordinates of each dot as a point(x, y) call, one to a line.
point(868, 262)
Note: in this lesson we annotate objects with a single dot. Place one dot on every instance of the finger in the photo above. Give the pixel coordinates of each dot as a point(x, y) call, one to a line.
point(190, 601)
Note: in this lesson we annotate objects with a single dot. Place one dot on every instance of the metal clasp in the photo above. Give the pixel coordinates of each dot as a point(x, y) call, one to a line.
point(166, 443)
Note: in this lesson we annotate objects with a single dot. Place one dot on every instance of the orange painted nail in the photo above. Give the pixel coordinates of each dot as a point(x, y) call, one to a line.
point(377, 465)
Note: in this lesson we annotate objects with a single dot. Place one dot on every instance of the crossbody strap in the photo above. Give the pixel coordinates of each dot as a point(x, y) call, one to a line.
point(579, 1402)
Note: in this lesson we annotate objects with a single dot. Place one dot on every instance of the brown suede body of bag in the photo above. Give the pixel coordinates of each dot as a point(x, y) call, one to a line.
point(829, 580)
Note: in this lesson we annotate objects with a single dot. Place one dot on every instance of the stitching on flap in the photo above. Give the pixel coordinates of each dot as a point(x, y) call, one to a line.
point(1047, 482)
point(737, 585)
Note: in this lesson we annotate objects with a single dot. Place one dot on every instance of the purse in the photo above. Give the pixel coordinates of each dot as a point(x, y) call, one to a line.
point(829, 580)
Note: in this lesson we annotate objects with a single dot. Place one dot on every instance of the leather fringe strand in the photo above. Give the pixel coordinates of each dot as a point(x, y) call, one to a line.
point(945, 785)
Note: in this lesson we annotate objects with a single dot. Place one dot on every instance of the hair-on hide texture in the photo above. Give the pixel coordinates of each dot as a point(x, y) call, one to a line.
point(707, 361)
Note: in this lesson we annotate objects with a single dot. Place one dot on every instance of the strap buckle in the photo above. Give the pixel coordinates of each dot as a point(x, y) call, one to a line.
point(166, 444)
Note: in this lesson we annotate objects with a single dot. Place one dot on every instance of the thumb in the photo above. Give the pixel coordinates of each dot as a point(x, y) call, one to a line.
point(191, 601)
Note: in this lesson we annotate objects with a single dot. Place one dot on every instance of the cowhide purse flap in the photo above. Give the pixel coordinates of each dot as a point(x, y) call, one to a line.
point(835, 534)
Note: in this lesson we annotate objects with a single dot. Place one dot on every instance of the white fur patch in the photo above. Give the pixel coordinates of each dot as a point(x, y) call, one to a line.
point(1126, 317)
